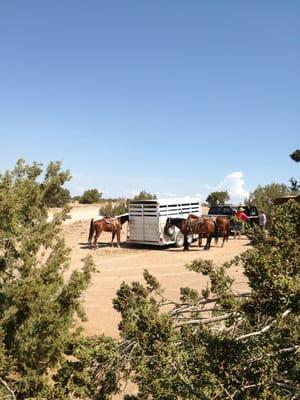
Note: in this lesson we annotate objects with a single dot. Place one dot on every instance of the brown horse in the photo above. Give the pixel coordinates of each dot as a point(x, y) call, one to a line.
point(107, 224)
point(208, 228)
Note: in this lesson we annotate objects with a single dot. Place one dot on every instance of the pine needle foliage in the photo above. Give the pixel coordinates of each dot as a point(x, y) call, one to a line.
point(38, 305)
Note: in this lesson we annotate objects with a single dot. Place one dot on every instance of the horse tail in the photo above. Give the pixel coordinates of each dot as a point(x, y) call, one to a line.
point(185, 229)
point(217, 232)
point(92, 230)
point(186, 242)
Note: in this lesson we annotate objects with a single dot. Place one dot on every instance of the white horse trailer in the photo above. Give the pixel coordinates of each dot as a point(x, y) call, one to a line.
point(147, 220)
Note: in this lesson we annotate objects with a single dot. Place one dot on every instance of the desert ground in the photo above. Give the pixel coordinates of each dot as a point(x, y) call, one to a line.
point(115, 265)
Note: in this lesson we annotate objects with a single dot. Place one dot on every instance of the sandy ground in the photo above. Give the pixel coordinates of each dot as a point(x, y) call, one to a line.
point(78, 213)
point(116, 265)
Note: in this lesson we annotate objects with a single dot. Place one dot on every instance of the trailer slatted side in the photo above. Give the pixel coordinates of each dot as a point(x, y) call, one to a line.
point(147, 218)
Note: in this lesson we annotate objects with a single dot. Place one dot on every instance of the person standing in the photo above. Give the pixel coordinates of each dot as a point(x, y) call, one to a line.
point(240, 214)
point(240, 219)
point(262, 220)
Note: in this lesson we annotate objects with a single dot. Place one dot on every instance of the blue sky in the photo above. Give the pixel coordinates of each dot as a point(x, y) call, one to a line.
point(174, 97)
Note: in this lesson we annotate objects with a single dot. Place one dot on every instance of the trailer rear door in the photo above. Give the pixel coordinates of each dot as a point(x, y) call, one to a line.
point(144, 224)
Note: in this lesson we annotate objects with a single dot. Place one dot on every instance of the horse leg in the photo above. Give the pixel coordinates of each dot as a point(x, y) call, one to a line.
point(216, 240)
point(200, 240)
point(209, 243)
point(224, 238)
point(118, 238)
point(208, 240)
point(227, 232)
point(186, 243)
point(112, 238)
point(217, 234)
point(96, 239)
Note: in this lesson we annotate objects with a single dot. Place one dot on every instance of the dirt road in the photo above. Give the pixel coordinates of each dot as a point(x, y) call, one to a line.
point(127, 264)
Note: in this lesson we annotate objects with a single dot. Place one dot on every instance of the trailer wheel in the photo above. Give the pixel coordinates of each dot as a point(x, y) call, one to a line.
point(170, 231)
point(179, 241)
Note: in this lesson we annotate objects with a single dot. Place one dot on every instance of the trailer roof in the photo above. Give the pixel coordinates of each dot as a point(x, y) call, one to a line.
point(178, 200)
point(285, 199)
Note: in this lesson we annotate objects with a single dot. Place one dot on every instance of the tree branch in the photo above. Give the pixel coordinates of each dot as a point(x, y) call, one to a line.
point(205, 321)
point(263, 330)
point(226, 391)
point(203, 302)
point(8, 388)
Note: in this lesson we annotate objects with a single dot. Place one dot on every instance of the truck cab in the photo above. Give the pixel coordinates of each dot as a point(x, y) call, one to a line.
point(229, 211)
point(226, 210)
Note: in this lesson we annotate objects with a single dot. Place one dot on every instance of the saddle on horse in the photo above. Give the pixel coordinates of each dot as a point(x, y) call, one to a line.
point(195, 224)
point(113, 222)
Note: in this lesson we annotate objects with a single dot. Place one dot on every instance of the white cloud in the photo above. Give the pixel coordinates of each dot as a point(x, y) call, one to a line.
point(234, 183)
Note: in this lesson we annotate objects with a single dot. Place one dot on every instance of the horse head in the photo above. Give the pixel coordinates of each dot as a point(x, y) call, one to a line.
point(123, 218)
